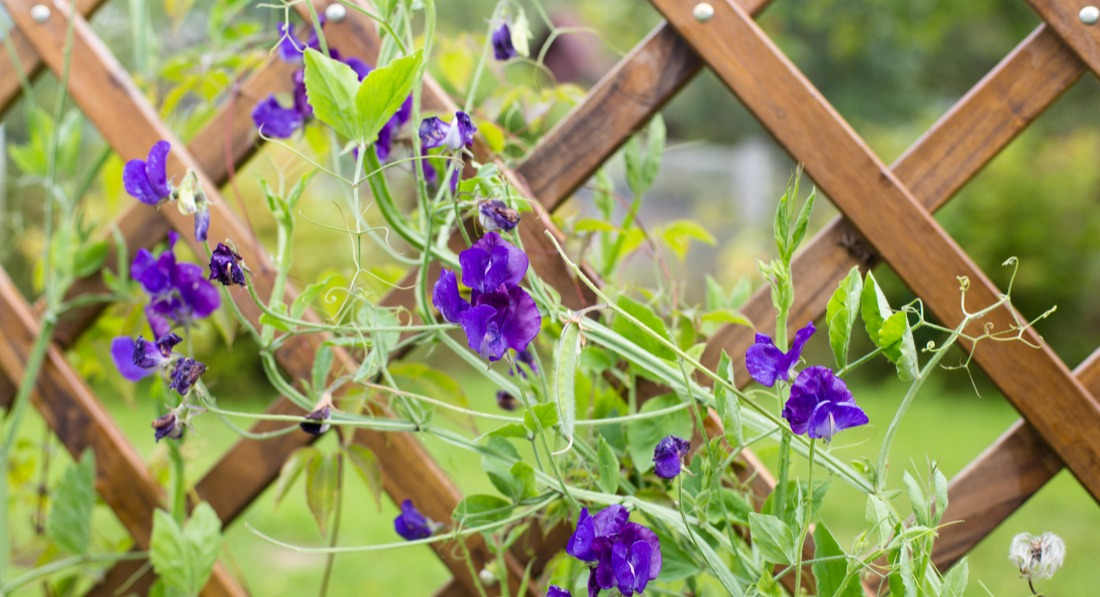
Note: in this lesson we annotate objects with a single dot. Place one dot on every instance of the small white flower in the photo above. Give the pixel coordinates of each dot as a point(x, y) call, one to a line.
point(1038, 558)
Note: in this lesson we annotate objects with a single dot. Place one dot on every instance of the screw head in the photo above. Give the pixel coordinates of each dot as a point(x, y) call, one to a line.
point(702, 12)
point(335, 12)
point(1089, 15)
point(40, 13)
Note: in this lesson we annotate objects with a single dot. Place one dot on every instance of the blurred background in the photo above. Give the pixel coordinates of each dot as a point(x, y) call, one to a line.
point(890, 68)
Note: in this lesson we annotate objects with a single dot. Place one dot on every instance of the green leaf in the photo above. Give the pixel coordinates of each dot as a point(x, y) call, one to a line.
point(767, 587)
point(275, 322)
point(525, 481)
point(896, 340)
point(70, 522)
point(773, 538)
point(608, 466)
point(322, 479)
point(308, 295)
point(874, 308)
point(954, 582)
point(481, 509)
point(632, 332)
point(939, 482)
point(801, 223)
point(831, 566)
point(841, 314)
point(331, 88)
point(204, 540)
point(569, 350)
point(381, 94)
point(547, 415)
point(642, 167)
point(727, 405)
point(676, 562)
point(90, 259)
point(917, 499)
point(366, 464)
point(643, 434)
point(499, 470)
point(291, 470)
point(322, 364)
point(185, 558)
point(882, 519)
point(679, 234)
point(728, 507)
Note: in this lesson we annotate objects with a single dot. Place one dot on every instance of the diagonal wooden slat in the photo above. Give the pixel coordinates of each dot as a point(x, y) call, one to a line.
point(72, 411)
point(927, 259)
point(1063, 17)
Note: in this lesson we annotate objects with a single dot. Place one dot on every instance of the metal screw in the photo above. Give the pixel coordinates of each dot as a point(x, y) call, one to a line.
point(1089, 15)
point(335, 12)
point(40, 13)
point(703, 12)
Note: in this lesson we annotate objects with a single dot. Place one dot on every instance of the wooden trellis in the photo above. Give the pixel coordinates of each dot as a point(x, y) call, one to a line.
point(886, 217)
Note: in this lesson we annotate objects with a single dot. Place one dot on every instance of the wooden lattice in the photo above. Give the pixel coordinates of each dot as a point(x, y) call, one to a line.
point(886, 217)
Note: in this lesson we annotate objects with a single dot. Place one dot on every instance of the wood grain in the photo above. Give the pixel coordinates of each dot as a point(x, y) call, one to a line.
point(1061, 15)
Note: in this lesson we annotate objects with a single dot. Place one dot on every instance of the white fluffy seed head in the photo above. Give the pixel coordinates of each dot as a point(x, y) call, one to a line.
point(1038, 558)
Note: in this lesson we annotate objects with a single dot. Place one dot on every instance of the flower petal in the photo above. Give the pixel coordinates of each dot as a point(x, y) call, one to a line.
point(273, 120)
point(122, 352)
point(432, 133)
point(522, 322)
point(502, 43)
point(830, 417)
point(202, 223)
point(446, 298)
point(197, 292)
point(668, 455)
point(482, 331)
point(580, 543)
point(411, 524)
point(137, 183)
point(764, 361)
point(156, 168)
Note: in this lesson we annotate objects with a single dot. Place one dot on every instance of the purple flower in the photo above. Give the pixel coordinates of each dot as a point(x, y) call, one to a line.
point(147, 181)
point(668, 455)
point(320, 414)
point(149, 355)
point(526, 357)
point(820, 405)
point(411, 524)
point(122, 352)
point(502, 43)
point(456, 135)
point(273, 120)
point(186, 374)
point(613, 544)
point(500, 314)
point(767, 364)
point(167, 426)
point(496, 215)
point(225, 266)
point(506, 401)
point(384, 144)
point(556, 591)
point(178, 291)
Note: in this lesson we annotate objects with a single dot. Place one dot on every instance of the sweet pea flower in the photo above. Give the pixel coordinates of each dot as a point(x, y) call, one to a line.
point(168, 426)
point(411, 524)
point(178, 291)
point(456, 135)
point(226, 266)
point(626, 554)
point(821, 405)
point(137, 359)
point(500, 314)
point(496, 216)
point(668, 456)
point(556, 591)
point(147, 181)
point(186, 374)
point(767, 364)
point(502, 43)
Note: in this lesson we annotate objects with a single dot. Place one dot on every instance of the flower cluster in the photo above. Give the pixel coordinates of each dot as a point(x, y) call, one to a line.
point(178, 292)
point(274, 120)
point(147, 181)
point(499, 315)
point(626, 555)
point(820, 403)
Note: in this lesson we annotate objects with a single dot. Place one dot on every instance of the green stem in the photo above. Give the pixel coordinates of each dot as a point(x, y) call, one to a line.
point(179, 483)
point(620, 242)
point(809, 501)
point(330, 559)
point(71, 562)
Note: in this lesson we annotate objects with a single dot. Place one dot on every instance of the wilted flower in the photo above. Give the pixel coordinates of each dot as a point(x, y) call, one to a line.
point(168, 426)
point(556, 591)
point(147, 181)
point(191, 200)
point(225, 266)
point(669, 455)
point(1038, 558)
point(149, 355)
point(321, 413)
point(502, 43)
point(506, 401)
point(456, 135)
point(186, 374)
point(500, 315)
point(820, 405)
point(178, 291)
point(767, 364)
point(496, 215)
point(411, 524)
point(627, 555)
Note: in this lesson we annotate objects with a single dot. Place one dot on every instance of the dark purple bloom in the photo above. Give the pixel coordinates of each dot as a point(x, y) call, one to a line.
point(122, 352)
point(273, 120)
point(149, 355)
point(500, 315)
point(411, 524)
point(147, 181)
point(179, 291)
point(502, 43)
point(556, 591)
point(496, 215)
point(613, 544)
point(506, 401)
point(319, 414)
point(456, 135)
point(820, 405)
point(384, 144)
point(668, 456)
point(290, 47)
point(186, 374)
point(168, 426)
point(225, 266)
point(767, 364)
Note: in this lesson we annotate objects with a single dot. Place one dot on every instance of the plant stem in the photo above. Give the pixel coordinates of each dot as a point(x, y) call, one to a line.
point(806, 524)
